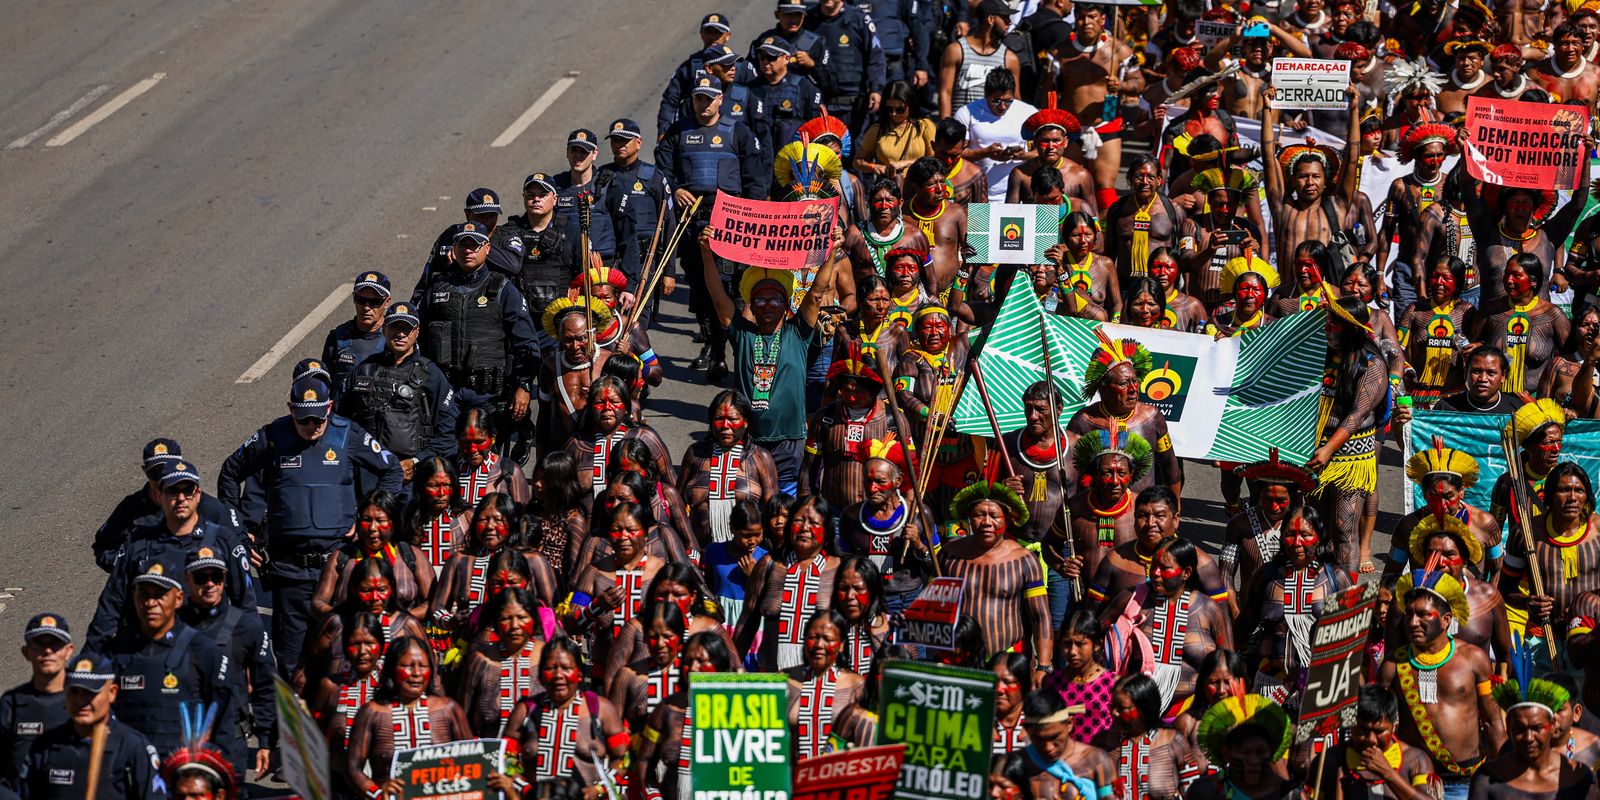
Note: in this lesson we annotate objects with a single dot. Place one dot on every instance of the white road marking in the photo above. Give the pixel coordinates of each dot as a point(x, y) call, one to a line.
point(430, 208)
point(64, 115)
point(99, 115)
point(539, 107)
point(267, 361)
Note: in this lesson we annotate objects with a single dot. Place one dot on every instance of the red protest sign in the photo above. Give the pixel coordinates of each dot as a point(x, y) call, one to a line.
point(865, 773)
point(763, 233)
point(1526, 145)
point(930, 620)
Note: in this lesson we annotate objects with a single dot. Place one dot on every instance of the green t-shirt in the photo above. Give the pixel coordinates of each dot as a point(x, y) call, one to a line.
point(772, 375)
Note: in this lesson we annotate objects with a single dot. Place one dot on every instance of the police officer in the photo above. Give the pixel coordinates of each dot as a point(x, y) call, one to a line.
point(401, 397)
point(713, 30)
point(854, 62)
point(142, 507)
point(726, 66)
point(551, 250)
point(578, 186)
point(308, 461)
point(57, 767)
point(894, 21)
point(482, 209)
point(809, 50)
point(32, 708)
point(162, 663)
point(700, 156)
point(781, 100)
point(353, 340)
point(636, 194)
point(180, 532)
point(241, 636)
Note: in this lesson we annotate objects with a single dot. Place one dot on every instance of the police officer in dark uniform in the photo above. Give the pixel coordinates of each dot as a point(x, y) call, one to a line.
point(894, 20)
point(781, 100)
point(142, 507)
point(57, 767)
point(401, 397)
point(700, 156)
point(40, 704)
point(353, 340)
point(162, 663)
point(308, 461)
point(241, 636)
point(179, 533)
point(579, 185)
point(810, 52)
point(482, 209)
point(854, 62)
point(636, 194)
point(713, 30)
point(726, 66)
point(551, 251)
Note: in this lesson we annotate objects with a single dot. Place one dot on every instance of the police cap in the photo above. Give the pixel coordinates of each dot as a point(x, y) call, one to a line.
point(483, 201)
point(47, 624)
point(624, 129)
point(401, 312)
point(584, 138)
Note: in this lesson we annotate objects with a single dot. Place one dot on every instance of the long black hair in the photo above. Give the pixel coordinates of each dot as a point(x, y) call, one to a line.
point(560, 477)
point(873, 578)
point(417, 514)
point(391, 661)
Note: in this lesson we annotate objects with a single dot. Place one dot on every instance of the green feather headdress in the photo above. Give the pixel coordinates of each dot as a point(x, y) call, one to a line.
point(1525, 690)
point(1016, 510)
point(1113, 441)
point(1230, 713)
point(1110, 353)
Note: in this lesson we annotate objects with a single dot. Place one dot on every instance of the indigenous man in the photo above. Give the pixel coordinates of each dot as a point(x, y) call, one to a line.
point(1005, 589)
point(1566, 74)
point(1466, 77)
point(1117, 371)
point(1446, 541)
point(1051, 129)
point(1425, 147)
point(943, 222)
point(1253, 536)
point(1096, 71)
point(1155, 520)
point(1445, 474)
point(1216, 235)
point(1310, 188)
point(1141, 222)
point(565, 374)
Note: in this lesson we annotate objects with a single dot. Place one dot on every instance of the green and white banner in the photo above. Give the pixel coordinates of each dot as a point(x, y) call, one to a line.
point(1228, 399)
point(1478, 435)
point(741, 736)
point(1013, 233)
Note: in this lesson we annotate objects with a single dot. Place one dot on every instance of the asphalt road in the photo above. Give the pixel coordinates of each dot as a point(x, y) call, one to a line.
point(187, 182)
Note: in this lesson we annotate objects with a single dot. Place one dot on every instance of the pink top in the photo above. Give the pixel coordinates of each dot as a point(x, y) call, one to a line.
point(1094, 696)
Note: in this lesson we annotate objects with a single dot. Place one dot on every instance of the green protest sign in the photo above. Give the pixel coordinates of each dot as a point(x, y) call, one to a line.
point(945, 717)
point(741, 736)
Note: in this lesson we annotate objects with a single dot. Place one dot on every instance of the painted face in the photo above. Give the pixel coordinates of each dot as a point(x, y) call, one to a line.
point(506, 579)
point(987, 519)
point(1517, 283)
point(438, 490)
point(627, 536)
point(1423, 622)
point(475, 444)
point(1441, 284)
point(1248, 295)
point(676, 594)
point(822, 644)
point(490, 528)
point(850, 595)
point(1274, 500)
point(1125, 712)
point(934, 332)
point(876, 306)
point(1167, 575)
point(1050, 143)
point(1145, 180)
point(728, 426)
point(1120, 388)
point(664, 643)
point(883, 482)
point(608, 407)
point(374, 593)
point(1080, 239)
point(515, 624)
point(855, 394)
point(1144, 311)
point(1165, 272)
point(885, 208)
point(373, 528)
point(807, 531)
point(362, 651)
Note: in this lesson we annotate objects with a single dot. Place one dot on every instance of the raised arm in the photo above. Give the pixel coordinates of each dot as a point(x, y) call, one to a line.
point(719, 296)
point(1348, 185)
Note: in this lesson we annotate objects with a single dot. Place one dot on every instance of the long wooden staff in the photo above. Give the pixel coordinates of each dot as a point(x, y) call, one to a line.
point(1521, 512)
point(653, 271)
point(97, 755)
point(988, 408)
point(1061, 446)
point(908, 446)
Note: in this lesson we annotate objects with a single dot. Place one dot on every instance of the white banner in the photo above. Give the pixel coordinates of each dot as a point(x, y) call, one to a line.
point(1310, 84)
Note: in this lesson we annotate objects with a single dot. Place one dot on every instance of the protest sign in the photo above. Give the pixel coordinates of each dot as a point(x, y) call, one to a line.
point(775, 235)
point(304, 748)
point(1211, 33)
point(1013, 233)
point(741, 736)
point(945, 717)
point(1526, 145)
point(1338, 646)
point(450, 771)
point(1310, 84)
point(865, 773)
point(930, 620)
point(1223, 399)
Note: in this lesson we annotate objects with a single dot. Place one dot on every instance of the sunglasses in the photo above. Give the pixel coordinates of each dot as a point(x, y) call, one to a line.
point(368, 301)
point(899, 109)
point(1003, 102)
point(311, 422)
point(181, 490)
point(766, 302)
point(209, 577)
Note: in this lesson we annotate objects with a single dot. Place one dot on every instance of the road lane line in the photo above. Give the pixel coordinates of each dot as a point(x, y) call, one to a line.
point(64, 115)
point(271, 358)
point(539, 107)
point(99, 115)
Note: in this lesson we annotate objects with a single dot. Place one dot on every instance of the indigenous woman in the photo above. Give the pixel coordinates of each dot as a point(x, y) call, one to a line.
point(465, 583)
point(611, 591)
point(371, 583)
point(1246, 281)
point(1523, 324)
point(413, 577)
point(1214, 681)
point(724, 468)
point(558, 517)
point(404, 715)
point(1435, 330)
point(1580, 348)
point(1253, 536)
point(856, 725)
point(436, 522)
point(634, 455)
point(1247, 737)
point(666, 749)
point(858, 599)
point(637, 689)
point(1182, 312)
point(504, 673)
point(1146, 304)
point(339, 697)
point(1013, 679)
point(1354, 386)
point(661, 541)
point(1360, 280)
point(1108, 463)
point(679, 585)
point(870, 330)
point(1089, 276)
point(1309, 287)
point(481, 470)
point(1285, 595)
point(789, 587)
point(1566, 545)
point(1153, 760)
point(605, 424)
point(999, 572)
point(566, 730)
point(819, 685)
